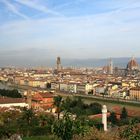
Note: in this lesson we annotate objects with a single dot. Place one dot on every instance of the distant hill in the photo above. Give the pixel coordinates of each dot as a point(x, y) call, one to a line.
point(118, 62)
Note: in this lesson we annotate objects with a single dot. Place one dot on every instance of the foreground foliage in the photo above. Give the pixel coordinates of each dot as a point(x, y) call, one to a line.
point(66, 128)
point(131, 131)
point(78, 107)
point(35, 125)
point(10, 93)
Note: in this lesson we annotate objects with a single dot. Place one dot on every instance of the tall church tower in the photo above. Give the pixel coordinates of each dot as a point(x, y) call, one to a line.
point(110, 66)
point(58, 62)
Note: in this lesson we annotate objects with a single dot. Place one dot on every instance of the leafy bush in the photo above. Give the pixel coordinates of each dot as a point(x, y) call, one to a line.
point(10, 93)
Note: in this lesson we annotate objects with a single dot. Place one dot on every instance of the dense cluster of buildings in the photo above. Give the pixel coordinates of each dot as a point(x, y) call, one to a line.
point(107, 81)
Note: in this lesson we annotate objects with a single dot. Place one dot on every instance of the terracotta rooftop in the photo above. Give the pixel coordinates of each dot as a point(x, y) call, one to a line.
point(46, 95)
point(6, 100)
point(39, 96)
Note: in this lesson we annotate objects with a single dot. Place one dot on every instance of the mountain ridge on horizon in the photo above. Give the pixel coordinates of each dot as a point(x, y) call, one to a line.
point(75, 62)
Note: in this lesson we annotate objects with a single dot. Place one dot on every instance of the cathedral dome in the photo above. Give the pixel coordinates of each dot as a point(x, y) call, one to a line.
point(132, 64)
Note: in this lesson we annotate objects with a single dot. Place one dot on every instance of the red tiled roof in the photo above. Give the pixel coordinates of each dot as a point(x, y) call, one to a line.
point(98, 116)
point(6, 100)
point(40, 96)
point(46, 95)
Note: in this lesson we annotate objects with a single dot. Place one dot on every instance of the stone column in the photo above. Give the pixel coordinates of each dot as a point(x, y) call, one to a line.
point(104, 117)
point(29, 98)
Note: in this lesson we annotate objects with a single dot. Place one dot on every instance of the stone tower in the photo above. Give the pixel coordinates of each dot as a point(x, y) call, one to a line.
point(110, 66)
point(58, 62)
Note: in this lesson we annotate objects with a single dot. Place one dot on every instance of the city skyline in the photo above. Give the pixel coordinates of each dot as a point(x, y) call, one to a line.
point(41, 30)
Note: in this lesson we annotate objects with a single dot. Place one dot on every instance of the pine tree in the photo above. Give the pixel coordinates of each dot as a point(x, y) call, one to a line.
point(57, 103)
point(113, 118)
point(124, 114)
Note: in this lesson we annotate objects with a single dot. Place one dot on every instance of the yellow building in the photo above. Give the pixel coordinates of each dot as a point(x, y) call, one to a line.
point(22, 82)
point(37, 83)
point(125, 84)
point(114, 87)
point(135, 93)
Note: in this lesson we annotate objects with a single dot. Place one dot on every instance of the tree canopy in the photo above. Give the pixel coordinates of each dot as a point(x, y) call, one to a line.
point(124, 114)
point(10, 93)
point(78, 107)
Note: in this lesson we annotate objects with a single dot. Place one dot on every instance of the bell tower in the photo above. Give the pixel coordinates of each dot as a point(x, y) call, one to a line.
point(58, 62)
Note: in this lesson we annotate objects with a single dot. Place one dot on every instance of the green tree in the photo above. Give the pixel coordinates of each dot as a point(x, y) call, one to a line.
point(43, 119)
point(28, 115)
point(66, 128)
point(113, 118)
point(66, 104)
point(57, 103)
point(131, 131)
point(9, 125)
point(124, 114)
point(78, 107)
point(27, 121)
point(95, 108)
point(10, 93)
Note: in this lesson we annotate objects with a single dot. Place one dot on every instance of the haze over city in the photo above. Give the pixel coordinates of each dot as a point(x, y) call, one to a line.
point(69, 69)
point(40, 30)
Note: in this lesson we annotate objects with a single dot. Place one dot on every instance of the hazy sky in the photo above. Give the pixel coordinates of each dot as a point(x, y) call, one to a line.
point(41, 29)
